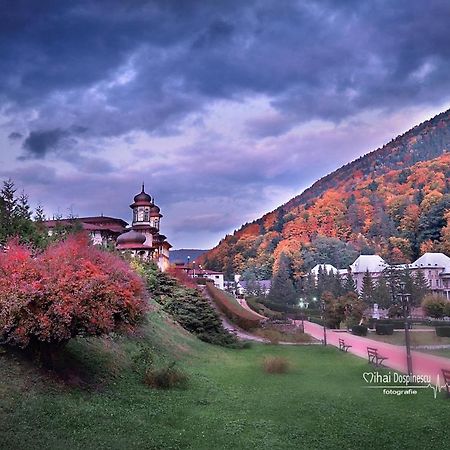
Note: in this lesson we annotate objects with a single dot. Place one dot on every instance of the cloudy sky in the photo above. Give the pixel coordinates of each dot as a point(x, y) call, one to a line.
point(226, 109)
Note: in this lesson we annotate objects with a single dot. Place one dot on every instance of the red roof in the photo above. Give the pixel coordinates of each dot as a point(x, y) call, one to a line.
point(95, 223)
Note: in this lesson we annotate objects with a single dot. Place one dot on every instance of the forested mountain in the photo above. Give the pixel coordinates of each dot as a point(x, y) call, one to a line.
point(394, 201)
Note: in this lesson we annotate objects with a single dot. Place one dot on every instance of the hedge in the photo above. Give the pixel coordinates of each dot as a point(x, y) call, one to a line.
point(443, 331)
point(398, 324)
point(384, 328)
point(232, 309)
point(359, 330)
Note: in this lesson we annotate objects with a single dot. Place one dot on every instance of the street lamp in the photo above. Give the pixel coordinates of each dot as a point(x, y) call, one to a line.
point(405, 301)
point(303, 305)
point(322, 307)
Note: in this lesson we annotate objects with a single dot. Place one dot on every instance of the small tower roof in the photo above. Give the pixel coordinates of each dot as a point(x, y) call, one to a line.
point(143, 196)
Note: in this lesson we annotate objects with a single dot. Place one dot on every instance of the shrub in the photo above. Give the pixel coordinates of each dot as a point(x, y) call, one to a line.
point(316, 320)
point(443, 331)
point(447, 309)
point(384, 328)
point(232, 309)
point(187, 306)
point(359, 330)
point(165, 377)
point(70, 289)
point(398, 324)
point(434, 306)
point(276, 364)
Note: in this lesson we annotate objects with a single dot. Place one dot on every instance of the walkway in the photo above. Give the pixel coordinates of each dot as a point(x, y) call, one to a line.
point(423, 364)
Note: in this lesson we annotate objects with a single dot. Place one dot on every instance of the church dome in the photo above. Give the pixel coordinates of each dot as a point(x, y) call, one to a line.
point(142, 196)
point(131, 238)
point(155, 209)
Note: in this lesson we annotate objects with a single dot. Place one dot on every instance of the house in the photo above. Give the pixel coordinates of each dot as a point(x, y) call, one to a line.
point(436, 269)
point(374, 264)
point(244, 287)
point(103, 230)
point(197, 272)
point(325, 268)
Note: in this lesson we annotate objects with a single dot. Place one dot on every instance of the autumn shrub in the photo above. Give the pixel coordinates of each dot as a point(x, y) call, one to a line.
point(165, 376)
point(236, 313)
point(71, 289)
point(276, 364)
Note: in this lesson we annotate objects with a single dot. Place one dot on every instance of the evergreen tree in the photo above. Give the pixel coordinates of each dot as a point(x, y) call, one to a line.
point(39, 214)
point(337, 288)
point(8, 205)
point(282, 289)
point(15, 217)
point(420, 287)
point(349, 284)
point(368, 288)
point(382, 293)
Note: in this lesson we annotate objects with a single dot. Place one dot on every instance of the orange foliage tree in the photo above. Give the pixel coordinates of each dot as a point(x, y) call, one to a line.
point(70, 289)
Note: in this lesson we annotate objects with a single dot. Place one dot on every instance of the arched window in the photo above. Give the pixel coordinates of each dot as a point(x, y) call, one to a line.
point(146, 216)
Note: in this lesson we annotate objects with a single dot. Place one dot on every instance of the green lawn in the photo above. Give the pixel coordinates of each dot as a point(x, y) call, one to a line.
point(427, 337)
point(230, 403)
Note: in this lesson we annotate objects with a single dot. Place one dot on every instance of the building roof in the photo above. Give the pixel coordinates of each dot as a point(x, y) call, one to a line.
point(371, 263)
point(131, 240)
point(92, 223)
point(324, 267)
point(433, 260)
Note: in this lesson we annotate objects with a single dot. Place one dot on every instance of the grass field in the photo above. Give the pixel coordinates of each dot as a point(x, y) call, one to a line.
point(425, 337)
point(230, 403)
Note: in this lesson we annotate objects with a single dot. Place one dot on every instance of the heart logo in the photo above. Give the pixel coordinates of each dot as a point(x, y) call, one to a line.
point(368, 377)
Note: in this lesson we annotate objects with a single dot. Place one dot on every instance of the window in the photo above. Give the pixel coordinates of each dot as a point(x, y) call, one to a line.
point(146, 216)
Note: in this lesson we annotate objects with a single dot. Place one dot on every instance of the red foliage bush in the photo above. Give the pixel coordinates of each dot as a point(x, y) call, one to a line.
point(235, 312)
point(182, 277)
point(70, 289)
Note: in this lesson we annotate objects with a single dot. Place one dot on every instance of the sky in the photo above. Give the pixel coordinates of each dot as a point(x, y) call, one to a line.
point(225, 109)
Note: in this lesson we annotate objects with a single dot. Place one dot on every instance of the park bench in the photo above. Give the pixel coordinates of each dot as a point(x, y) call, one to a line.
point(374, 357)
point(446, 374)
point(342, 345)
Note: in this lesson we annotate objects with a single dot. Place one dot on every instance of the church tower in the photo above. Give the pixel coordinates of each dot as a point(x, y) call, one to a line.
point(144, 239)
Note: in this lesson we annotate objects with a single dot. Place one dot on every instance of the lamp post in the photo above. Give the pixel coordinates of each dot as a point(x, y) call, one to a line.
point(322, 307)
point(303, 305)
point(405, 302)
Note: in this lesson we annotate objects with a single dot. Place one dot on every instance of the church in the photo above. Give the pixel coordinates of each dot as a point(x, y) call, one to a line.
point(142, 239)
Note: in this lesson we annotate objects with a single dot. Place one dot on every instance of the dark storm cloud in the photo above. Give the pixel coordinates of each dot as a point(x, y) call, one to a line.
point(39, 143)
point(316, 59)
point(76, 75)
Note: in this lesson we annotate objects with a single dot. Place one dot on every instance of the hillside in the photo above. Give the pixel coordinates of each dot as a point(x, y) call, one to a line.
point(394, 201)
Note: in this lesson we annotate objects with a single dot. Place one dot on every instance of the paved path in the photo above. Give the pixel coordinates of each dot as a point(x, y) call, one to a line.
point(423, 364)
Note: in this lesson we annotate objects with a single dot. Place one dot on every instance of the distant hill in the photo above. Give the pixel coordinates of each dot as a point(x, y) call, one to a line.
point(394, 201)
point(182, 254)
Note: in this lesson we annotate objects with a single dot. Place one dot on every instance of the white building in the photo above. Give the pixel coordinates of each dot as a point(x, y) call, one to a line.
point(436, 269)
point(375, 264)
point(325, 268)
